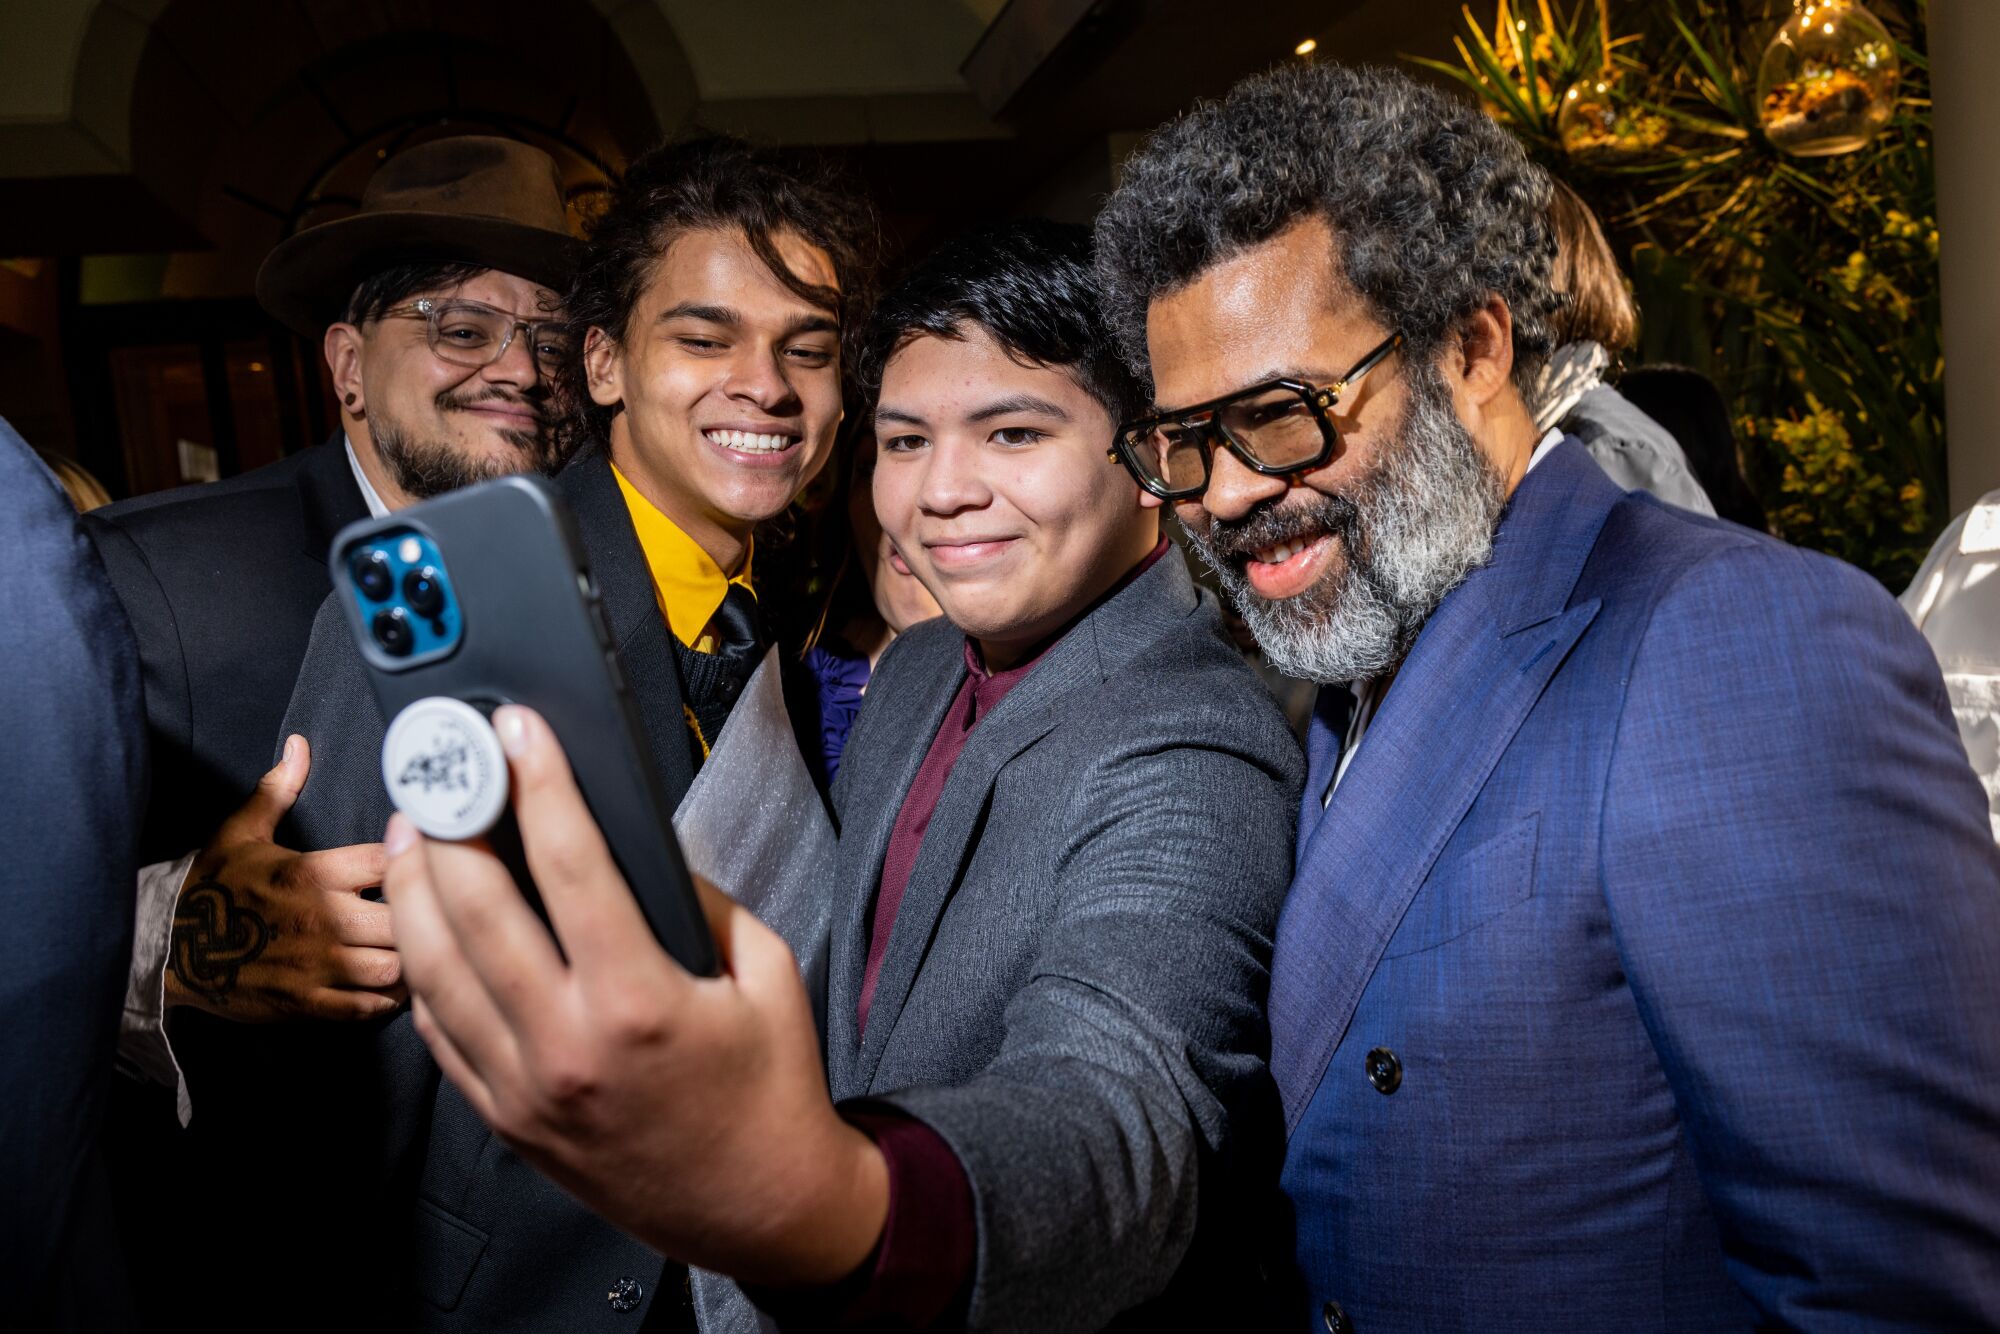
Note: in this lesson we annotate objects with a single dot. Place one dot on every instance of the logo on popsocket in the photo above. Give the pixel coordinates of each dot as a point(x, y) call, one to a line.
point(444, 768)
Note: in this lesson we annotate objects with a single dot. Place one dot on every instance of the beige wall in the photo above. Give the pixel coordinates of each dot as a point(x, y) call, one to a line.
point(1964, 38)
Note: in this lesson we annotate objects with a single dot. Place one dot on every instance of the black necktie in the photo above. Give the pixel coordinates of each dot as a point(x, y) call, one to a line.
point(739, 635)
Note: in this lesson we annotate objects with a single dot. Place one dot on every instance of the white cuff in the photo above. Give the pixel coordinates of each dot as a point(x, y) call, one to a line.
point(143, 1048)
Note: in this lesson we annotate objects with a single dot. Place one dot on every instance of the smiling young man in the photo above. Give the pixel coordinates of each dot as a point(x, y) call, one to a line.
point(1640, 965)
point(1066, 817)
point(703, 394)
point(708, 395)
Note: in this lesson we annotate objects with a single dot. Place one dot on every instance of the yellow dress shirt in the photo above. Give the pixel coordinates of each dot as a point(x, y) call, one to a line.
point(686, 580)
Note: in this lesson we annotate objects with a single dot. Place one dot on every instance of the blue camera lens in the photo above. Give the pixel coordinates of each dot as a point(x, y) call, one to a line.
point(423, 589)
point(371, 574)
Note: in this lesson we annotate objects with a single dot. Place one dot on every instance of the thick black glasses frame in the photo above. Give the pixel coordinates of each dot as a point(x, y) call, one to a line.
point(1206, 419)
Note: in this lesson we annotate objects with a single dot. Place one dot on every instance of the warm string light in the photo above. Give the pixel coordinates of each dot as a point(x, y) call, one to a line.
point(1305, 48)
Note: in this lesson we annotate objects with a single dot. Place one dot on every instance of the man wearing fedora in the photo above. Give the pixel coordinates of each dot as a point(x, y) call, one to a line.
point(434, 303)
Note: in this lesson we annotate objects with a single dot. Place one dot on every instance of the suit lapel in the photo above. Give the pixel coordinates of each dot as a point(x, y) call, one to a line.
point(329, 500)
point(1473, 675)
point(911, 699)
point(1085, 656)
point(1012, 727)
point(645, 654)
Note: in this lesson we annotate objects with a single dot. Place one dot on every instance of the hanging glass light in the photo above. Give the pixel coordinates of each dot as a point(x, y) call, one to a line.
point(1603, 124)
point(1603, 121)
point(1827, 82)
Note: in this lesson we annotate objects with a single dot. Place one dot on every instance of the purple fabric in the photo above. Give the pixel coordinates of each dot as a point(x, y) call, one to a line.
point(839, 681)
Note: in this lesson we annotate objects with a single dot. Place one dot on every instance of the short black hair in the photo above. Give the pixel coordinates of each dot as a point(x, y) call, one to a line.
point(1030, 285)
point(722, 183)
point(1434, 207)
point(382, 292)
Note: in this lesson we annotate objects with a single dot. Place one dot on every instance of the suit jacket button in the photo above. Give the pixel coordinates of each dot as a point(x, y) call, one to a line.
point(1336, 1319)
point(626, 1294)
point(1385, 1071)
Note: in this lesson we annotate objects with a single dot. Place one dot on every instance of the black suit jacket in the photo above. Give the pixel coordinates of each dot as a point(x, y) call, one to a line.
point(485, 1242)
point(333, 1179)
point(221, 582)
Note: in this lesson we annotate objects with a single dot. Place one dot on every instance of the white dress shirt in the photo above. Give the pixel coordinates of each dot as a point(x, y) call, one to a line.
point(1955, 601)
point(1367, 694)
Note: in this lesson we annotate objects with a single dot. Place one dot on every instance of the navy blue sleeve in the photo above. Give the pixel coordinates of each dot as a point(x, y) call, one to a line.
point(72, 789)
point(1806, 899)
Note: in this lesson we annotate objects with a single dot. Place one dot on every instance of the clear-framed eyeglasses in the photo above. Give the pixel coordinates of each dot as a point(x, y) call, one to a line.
point(472, 334)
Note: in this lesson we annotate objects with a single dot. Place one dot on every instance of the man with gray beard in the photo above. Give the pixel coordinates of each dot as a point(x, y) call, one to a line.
point(1639, 966)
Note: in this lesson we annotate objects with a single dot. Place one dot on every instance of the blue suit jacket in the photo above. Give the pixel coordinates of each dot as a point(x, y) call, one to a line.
point(72, 784)
point(1663, 878)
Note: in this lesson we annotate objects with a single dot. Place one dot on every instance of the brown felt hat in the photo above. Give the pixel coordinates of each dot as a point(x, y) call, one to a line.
point(472, 199)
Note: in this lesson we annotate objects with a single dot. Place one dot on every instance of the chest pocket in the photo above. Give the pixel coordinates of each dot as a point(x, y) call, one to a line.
point(1466, 890)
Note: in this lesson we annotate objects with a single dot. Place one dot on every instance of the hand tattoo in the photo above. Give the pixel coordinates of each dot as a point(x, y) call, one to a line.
point(213, 939)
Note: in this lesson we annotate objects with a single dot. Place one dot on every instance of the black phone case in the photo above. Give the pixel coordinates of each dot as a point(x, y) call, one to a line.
point(534, 633)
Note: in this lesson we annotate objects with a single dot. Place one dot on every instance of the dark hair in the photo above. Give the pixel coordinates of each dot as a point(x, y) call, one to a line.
point(1596, 304)
point(381, 292)
point(1434, 208)
point(1031, 286)
point(1696, 415)
point(711, 183)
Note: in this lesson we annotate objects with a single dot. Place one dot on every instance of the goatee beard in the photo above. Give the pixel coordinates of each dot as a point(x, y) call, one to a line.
point(1410, 531)
point(424, 468)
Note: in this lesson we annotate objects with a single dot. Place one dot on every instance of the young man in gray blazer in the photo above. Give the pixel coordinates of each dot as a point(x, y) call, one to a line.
point(1066, 820)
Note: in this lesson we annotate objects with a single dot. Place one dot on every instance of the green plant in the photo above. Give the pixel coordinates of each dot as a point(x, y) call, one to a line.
point(1808, 288)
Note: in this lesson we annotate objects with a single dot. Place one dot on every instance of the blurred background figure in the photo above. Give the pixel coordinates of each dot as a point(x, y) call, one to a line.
point(874, 598)
point(1694, 412)
point(1955, 601)
point(1596, 324)
point(85, 492)
point(73, 771)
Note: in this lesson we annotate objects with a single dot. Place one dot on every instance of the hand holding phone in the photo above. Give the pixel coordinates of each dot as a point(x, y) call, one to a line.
point(482, 596)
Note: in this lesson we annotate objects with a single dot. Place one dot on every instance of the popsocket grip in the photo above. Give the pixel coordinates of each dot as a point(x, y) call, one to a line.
point(444, 768)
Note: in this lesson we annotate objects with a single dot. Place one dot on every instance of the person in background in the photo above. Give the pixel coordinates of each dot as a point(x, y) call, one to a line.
point(874, 599)
point(1955, 601)
point(1641, 966)
point(72, 789)
point(85, 492)
point(1696, 415)
point(1594, 325)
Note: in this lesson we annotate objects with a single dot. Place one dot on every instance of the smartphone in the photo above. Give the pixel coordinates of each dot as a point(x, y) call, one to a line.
point(483, 595)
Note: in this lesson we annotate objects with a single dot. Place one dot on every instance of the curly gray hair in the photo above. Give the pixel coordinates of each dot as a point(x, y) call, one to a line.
point(1434, 208)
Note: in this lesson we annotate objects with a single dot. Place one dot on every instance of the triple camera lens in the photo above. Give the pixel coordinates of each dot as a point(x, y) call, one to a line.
point(393, 632)
point(371, 574)
point(423, 589)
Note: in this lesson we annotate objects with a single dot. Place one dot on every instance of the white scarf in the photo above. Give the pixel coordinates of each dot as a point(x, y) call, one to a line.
point(1573, 371)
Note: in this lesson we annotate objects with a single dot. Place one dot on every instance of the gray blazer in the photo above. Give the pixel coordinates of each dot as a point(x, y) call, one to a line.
point(1634, 450)
point(1073, 995)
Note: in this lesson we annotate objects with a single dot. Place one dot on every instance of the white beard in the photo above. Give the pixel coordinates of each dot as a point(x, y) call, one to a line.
point(1412, 530)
